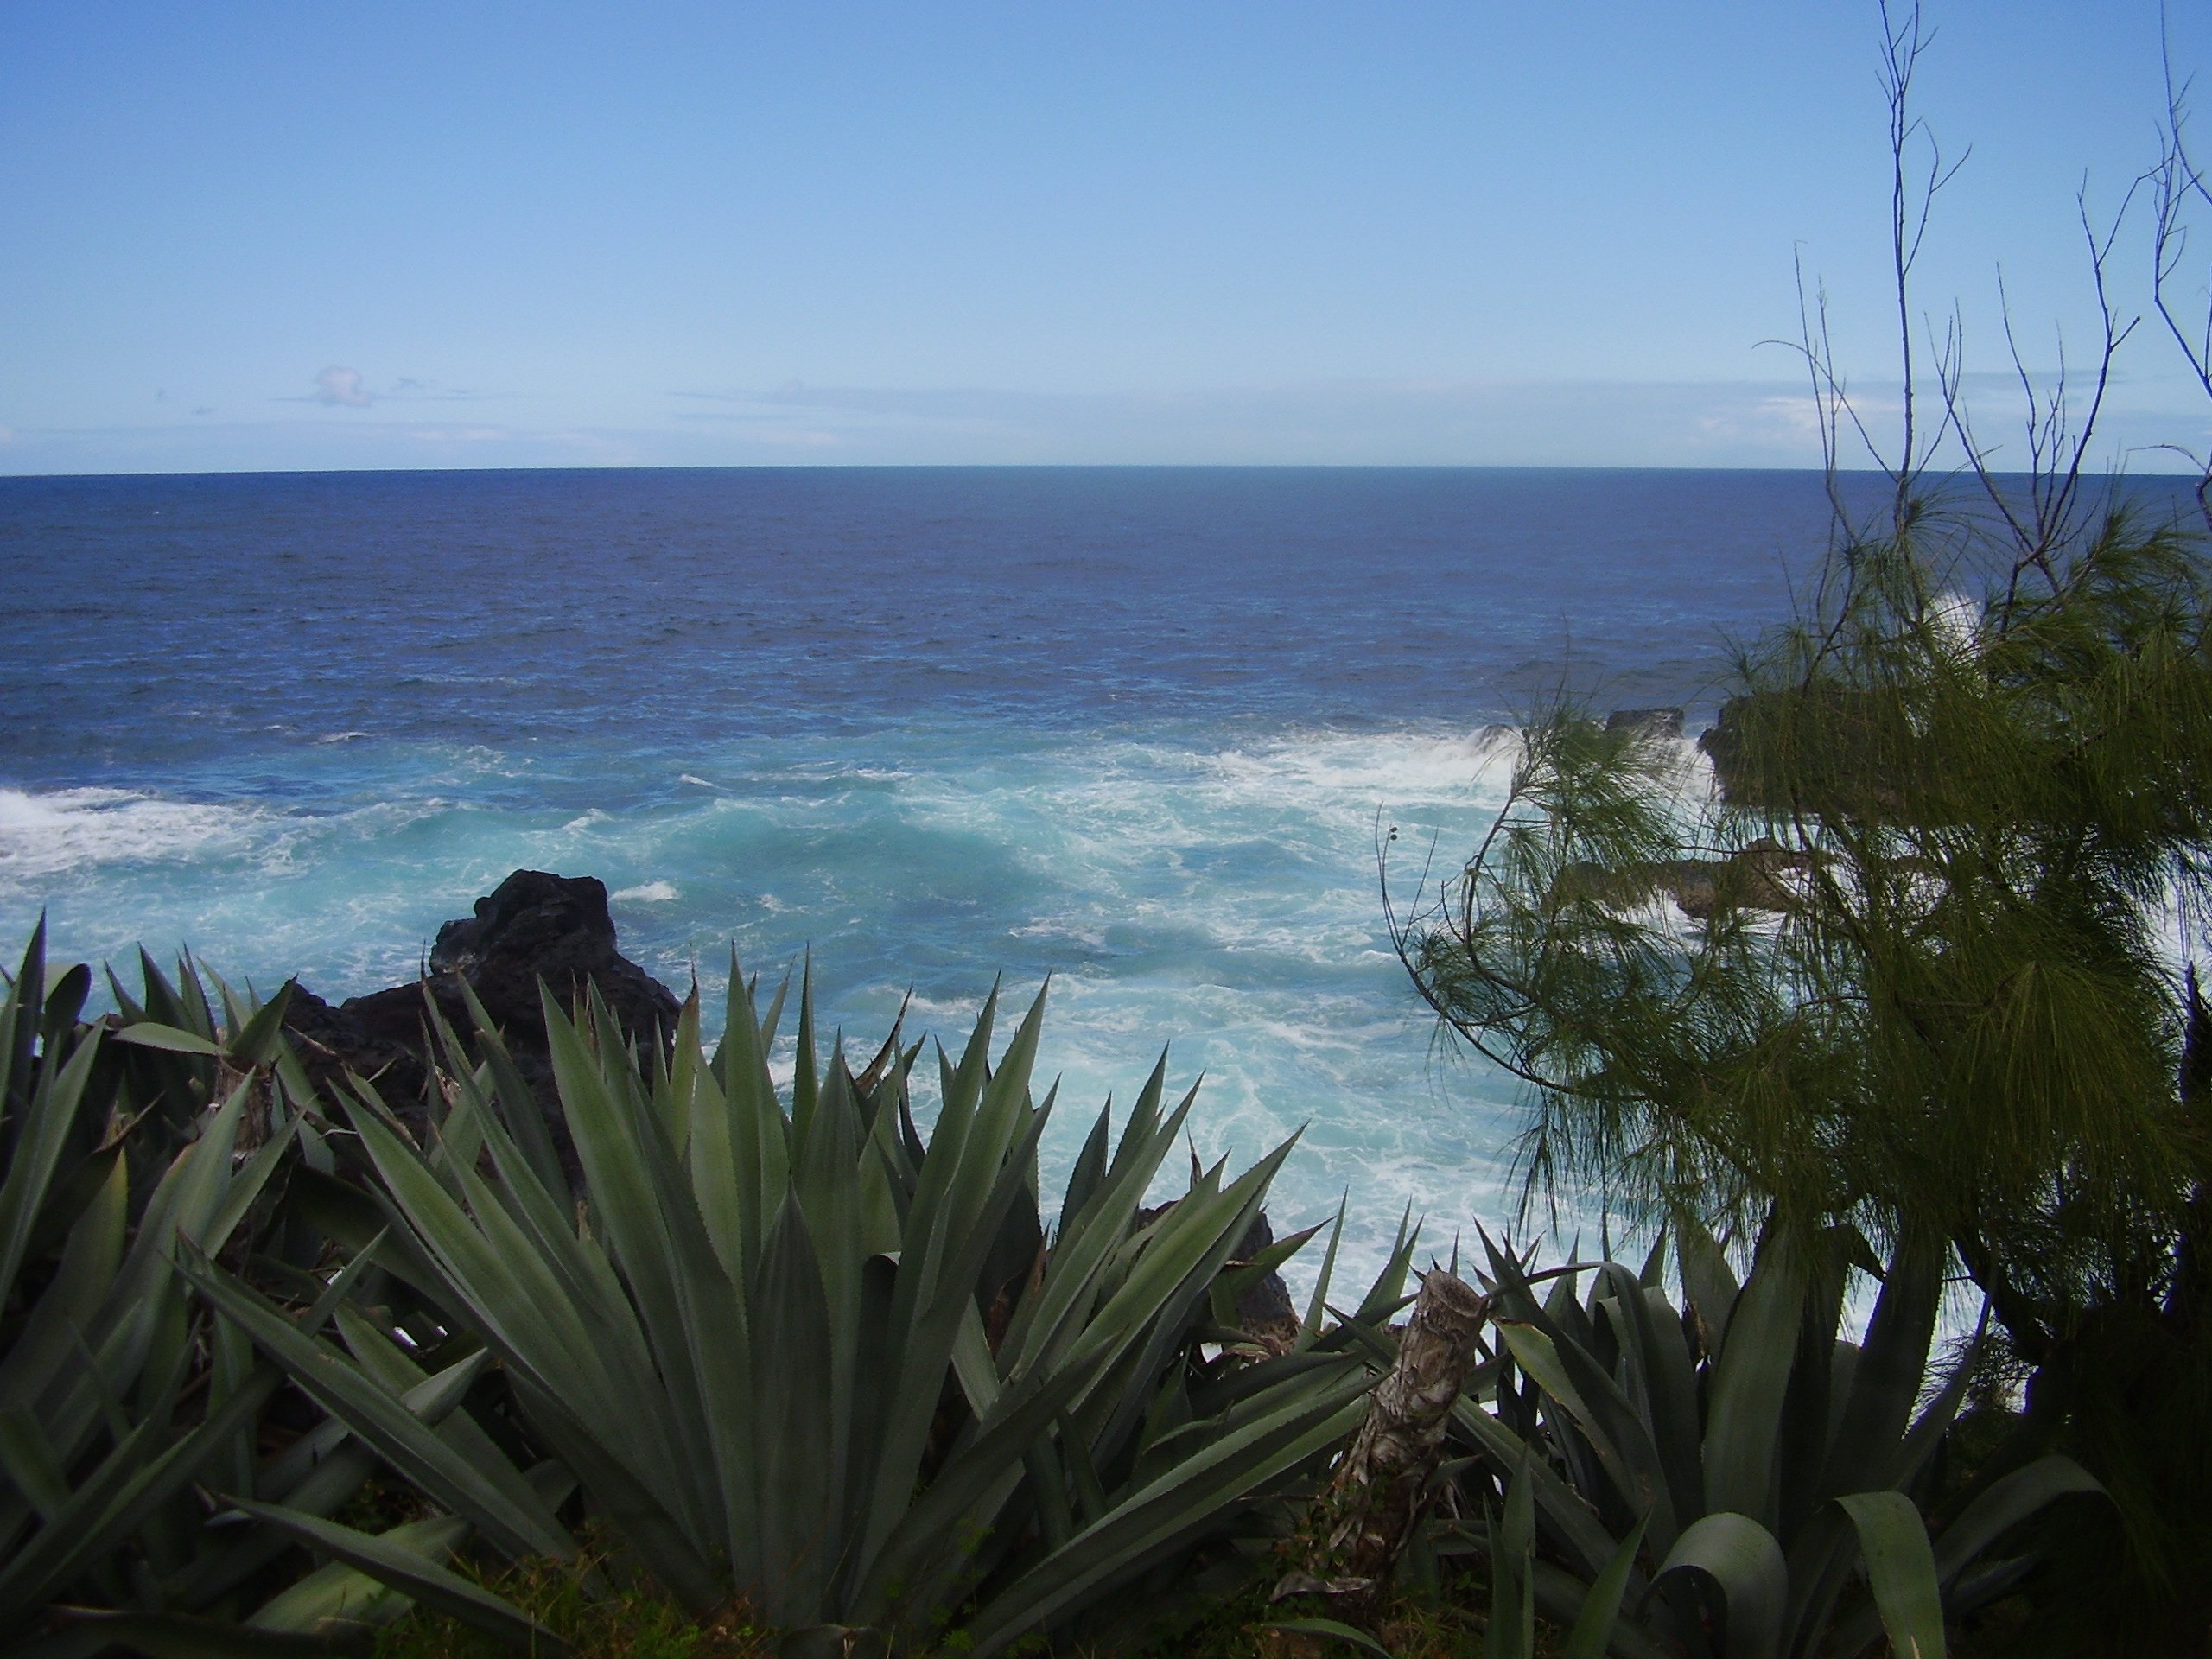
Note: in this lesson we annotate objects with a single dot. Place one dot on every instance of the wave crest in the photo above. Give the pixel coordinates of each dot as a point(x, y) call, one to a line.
point(47, 835)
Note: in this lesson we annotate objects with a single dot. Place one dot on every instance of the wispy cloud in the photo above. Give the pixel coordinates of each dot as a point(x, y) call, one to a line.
point(1789, 418)
point(1768, 422)
point(341, 387)
point(316, 445)
point(1420, 423)
point(461, 434)
point(409, 389)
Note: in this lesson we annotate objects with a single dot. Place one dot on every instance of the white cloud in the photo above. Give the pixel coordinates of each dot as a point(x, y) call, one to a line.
point(1801, 414)
point(413, 390)
point(341, 388)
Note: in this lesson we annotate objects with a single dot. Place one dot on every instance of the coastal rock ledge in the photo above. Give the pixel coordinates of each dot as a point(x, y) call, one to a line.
point(535, 925)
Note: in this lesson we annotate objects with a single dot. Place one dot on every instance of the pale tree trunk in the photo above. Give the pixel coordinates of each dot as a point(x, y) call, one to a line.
point(1361, 1524)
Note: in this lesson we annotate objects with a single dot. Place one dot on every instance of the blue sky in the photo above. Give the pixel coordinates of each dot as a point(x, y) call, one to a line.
point(283, 236)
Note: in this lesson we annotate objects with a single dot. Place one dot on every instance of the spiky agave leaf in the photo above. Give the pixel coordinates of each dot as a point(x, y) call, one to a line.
point(738, 1343)
point(1705, 1490)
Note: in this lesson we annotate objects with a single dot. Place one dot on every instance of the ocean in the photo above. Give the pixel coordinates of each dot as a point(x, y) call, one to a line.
point(1133, 729)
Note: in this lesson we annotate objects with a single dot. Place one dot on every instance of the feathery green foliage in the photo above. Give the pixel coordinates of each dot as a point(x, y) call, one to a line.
point(1961, 1019)
point(1934, 996)
point(1964, 799)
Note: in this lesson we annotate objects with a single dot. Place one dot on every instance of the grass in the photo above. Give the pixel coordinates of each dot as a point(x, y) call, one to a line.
point(635, 1621)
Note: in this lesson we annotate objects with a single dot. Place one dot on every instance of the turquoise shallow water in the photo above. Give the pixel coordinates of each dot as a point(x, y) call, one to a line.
point(1133, 730)
point(1218, 897)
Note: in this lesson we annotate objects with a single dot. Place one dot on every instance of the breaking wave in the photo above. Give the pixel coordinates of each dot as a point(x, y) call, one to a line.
point(44, 835)
point(1177, 888)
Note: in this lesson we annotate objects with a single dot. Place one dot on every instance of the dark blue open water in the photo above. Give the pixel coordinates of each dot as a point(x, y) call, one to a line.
point(1131, 727)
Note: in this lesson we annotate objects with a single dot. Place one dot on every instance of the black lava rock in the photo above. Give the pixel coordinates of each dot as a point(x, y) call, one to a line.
point(535, 927)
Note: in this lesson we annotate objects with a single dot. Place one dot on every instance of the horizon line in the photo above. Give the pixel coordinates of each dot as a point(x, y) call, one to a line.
point(1961, 472)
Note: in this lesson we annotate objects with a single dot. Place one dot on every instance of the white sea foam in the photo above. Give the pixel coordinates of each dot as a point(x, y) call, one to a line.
point(1397, 764)
point(1218, 896)
point(47, 835)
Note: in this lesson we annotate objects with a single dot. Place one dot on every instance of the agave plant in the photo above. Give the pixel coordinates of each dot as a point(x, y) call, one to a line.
point(124, 1407)
point(1760, 1461)
point(793, 1353)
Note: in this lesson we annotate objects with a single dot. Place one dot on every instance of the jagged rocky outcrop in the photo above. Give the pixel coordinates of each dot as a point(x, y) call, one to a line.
point(556, 929)
point(536, 926)
point(1757, 876)
point(1264, 1310)
point(1646, 722)
point(1824, 749)
point(533, 926)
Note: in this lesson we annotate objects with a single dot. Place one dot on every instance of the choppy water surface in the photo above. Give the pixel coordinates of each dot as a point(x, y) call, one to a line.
point(1135, 729)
